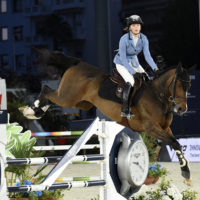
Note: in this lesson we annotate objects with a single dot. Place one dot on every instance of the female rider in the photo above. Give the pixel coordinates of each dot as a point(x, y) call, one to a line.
point(126, 60)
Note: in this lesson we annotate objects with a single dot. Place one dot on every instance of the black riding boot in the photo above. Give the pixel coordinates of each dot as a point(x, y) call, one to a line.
point(126, 107)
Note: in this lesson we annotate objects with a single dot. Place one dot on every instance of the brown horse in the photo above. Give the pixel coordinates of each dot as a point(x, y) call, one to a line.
point(79, 88)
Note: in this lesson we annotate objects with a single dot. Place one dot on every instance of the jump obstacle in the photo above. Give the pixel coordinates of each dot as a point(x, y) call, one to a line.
point(60, 134)
point(3, 122)
point(110, 138)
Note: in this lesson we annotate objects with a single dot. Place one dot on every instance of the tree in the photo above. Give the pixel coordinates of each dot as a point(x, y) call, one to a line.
point(53, 26)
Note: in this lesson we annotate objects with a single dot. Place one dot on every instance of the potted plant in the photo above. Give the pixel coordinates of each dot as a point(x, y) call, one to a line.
point(20, 145)
point(155, 171)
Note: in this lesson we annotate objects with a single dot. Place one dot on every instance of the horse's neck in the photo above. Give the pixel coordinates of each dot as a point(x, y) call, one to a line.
point(162, 83)
point(161, 89)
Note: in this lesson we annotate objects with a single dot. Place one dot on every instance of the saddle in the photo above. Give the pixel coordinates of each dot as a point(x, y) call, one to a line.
point(112, 87)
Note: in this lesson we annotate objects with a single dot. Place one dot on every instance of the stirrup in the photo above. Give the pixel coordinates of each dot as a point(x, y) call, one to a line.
point(129, 116)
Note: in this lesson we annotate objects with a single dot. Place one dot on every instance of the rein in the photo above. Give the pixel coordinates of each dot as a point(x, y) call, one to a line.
point(174, 96)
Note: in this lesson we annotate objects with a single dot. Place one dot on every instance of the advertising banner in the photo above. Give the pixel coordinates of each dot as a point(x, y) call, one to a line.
point(190, 148)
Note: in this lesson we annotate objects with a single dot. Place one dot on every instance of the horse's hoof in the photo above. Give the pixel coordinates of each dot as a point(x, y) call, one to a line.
point(188, 182)
point(28, 112)
point(21, 109)
point(39, 113)
point(186, 174)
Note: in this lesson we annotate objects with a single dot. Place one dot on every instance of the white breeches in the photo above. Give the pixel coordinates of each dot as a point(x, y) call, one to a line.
point(126, 75)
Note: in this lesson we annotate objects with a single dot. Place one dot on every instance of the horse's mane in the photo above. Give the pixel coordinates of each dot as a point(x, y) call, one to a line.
point(161, 72)
point(148, 84)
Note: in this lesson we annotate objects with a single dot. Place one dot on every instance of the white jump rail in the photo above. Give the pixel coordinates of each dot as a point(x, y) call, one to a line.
point(64, 147)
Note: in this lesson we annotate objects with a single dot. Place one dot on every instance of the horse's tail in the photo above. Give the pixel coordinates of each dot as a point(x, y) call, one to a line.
point(55, 59)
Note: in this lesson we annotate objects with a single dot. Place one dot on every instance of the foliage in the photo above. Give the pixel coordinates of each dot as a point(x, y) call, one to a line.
point(155, 170)
point(20, 145)
point(151, 144)
point(189, 195)
point(166, 191)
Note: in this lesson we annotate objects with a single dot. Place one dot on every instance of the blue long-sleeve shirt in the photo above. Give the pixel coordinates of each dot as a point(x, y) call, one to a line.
point(128, 52)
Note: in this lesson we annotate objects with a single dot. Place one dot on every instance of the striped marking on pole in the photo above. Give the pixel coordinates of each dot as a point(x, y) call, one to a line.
point(84, 178)
point(75, 184)
point(48, 160)
point(64, 179)
point(63, 147)
point(61, 133)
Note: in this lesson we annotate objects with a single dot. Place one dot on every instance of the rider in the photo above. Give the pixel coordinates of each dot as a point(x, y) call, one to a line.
point(126, 60)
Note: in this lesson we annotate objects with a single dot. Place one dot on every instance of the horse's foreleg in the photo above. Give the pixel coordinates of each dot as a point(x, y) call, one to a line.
point(157, 132)
point(184, 163)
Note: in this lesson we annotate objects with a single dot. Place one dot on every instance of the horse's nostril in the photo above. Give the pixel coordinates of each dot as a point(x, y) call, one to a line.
point(180, 109)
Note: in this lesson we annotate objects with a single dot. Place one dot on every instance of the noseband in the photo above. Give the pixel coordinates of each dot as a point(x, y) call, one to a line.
point(174, 96)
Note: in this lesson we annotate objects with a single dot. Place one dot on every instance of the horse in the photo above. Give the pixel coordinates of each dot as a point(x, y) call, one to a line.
point(161, 97)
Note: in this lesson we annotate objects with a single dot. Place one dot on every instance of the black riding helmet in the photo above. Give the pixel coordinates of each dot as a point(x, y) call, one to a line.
point(133, 19)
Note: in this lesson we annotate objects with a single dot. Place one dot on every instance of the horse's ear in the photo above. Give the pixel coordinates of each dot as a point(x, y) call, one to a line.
point(179, 68)
point(192, 69)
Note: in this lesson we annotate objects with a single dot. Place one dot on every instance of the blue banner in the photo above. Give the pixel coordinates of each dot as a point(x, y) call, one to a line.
point(189, 124)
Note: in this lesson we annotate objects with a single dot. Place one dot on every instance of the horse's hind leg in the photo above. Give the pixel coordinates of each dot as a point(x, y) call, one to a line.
point(40, 105)
point(157, 132)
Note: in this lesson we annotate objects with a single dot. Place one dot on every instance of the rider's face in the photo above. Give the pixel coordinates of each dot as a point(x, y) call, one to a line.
point(135, 28)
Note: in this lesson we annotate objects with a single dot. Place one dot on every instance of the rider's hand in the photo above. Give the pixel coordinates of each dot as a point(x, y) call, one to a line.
point(141, 76)
point(156, 72)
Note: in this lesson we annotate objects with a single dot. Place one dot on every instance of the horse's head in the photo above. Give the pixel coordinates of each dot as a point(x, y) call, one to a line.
point(178, 88)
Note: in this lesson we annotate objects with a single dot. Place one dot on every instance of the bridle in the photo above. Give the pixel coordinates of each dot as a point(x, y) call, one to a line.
point(173, 97)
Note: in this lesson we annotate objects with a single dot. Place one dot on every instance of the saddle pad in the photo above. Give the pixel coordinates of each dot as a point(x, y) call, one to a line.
point(107, 91)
